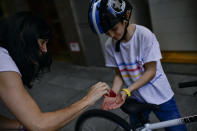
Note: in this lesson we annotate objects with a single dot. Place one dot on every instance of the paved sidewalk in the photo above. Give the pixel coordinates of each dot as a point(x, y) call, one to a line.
point(66, 84)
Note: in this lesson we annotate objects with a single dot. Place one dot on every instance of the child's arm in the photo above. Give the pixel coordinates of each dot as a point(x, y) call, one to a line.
point(109, 102)
point(149, 74)
point(117, 82)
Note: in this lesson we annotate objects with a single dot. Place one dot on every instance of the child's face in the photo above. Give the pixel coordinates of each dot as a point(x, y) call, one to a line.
point(117, 31)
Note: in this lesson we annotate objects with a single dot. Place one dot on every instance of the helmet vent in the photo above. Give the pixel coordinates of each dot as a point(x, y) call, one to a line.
point(118, 6)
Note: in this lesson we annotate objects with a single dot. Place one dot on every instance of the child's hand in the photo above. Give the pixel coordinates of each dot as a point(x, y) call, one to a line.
point(108, 102)
point(120, 99)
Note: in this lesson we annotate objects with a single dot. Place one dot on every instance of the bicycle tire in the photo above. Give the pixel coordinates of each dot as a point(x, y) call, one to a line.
point(102, 114)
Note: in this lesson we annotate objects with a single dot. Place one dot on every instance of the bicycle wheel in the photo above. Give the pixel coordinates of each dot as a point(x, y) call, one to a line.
point(83, 125)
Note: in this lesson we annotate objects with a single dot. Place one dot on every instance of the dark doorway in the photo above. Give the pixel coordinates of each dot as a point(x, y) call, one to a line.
point(47, 9)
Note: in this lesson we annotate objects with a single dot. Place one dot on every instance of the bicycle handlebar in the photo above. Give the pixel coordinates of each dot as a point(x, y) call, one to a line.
point(187, 84)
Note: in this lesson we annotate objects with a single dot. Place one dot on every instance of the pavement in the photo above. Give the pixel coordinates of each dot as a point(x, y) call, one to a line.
point(67, 83)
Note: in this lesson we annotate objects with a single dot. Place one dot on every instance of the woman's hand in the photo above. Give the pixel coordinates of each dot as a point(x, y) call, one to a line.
point(96, 92)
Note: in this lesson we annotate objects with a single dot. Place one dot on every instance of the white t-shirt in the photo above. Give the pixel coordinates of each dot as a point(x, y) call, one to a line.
point(142, 48)
point(6, 62)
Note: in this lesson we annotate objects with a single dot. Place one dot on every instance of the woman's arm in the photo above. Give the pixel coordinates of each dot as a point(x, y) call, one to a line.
point(6, 123)
point(21, 104)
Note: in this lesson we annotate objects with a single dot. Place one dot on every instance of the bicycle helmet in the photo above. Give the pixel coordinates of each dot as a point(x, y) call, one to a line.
point(104, 14)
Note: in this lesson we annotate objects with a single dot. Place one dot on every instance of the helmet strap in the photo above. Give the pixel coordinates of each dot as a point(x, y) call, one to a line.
point(117, 46)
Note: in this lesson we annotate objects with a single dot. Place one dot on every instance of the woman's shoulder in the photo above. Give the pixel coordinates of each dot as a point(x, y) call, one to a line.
point(7, 63)
point(4, 55)
point(3, 50)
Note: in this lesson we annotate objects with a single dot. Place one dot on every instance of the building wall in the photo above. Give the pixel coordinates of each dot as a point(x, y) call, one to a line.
point(73, 17)
point(91, 43)
point(175, 24)
point(71, 30)
point(141, 13)
point(173, 21)
point(22, 5)
point(10, 7)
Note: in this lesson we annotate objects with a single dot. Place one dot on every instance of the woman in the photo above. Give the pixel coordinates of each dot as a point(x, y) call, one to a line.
point(23, 55)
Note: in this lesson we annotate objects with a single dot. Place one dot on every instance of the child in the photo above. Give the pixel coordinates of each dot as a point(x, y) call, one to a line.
point(134, 52)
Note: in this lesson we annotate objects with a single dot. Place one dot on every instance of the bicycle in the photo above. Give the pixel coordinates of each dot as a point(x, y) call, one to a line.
point(188, 84)
point(131, 106)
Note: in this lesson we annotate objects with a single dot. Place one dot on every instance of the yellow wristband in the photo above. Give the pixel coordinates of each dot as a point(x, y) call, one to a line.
point(127, 92)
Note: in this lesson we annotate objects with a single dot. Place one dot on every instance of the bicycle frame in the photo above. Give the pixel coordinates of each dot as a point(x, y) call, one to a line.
point(174, 122)
point(126, 126)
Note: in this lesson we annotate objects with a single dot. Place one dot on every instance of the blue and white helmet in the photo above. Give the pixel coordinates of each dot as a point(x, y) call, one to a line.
point(104, 14)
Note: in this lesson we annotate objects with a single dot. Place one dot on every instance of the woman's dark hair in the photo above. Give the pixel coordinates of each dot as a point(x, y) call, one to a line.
point(19, 35)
